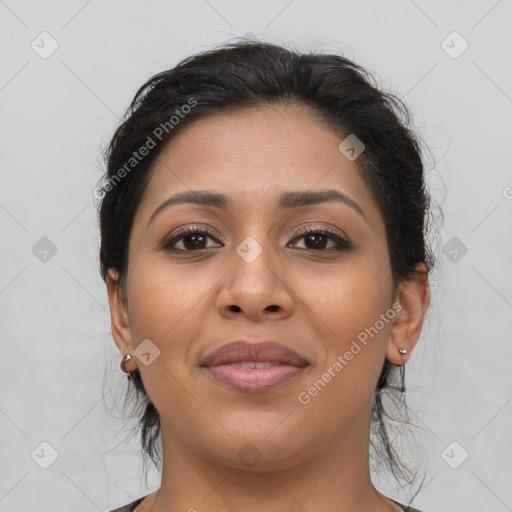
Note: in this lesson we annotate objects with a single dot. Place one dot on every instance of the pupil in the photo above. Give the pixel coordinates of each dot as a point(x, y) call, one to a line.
point(193, 244)
point(316, 243)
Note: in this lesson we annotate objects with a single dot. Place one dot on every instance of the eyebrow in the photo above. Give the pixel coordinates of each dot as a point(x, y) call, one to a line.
point(287, 200)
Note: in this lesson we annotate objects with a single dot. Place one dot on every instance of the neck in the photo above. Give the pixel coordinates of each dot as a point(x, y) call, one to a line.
point(335, 479)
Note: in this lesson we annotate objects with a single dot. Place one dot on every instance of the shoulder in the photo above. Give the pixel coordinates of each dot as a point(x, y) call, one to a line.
point(403, 507)
point(131, 506)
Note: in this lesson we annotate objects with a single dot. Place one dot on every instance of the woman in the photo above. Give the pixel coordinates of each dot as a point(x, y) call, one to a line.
point(263, 222)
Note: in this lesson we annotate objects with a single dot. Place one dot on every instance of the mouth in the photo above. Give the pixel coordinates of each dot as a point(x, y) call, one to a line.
point(254, 366)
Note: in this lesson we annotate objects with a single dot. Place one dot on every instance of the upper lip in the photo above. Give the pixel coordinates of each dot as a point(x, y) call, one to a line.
point(259, 351)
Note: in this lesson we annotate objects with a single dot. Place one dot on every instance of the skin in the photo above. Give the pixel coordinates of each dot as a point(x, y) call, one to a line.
point(314, 457)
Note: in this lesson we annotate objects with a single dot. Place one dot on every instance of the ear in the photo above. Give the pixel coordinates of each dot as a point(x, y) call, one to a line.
point(405, 330)
point(120, 321)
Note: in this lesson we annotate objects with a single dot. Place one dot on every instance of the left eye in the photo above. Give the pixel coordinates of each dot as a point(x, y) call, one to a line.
point(195, 240)
point(319, 238)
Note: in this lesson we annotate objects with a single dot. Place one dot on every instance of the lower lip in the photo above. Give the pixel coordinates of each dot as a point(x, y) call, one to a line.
point(254, 379)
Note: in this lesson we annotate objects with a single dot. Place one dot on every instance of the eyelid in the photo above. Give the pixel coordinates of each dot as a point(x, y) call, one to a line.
point(323, 227)
point(191, 228)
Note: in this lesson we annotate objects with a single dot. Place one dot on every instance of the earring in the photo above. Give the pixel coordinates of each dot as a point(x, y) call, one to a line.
point(402, 351)
point(128, 364)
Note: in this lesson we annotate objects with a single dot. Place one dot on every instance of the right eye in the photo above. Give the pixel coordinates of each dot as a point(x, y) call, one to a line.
point(192, 240)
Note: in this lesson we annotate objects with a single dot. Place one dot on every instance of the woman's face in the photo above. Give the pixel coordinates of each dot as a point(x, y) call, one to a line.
point(255, 277)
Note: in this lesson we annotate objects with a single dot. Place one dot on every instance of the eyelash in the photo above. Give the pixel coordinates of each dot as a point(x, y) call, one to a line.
point(341, 243)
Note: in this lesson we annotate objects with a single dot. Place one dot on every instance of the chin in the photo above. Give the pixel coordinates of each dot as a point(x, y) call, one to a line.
point(256, 451)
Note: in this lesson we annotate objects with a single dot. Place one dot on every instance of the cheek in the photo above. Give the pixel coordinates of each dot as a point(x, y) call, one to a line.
point(165, 307)
point(352, 314)
point(165, 301)
point(344, 303)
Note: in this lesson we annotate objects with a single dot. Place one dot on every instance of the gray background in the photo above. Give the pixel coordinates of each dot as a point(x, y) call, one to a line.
point(57, 112)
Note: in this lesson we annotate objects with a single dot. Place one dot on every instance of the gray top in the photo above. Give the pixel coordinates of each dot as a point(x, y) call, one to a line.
point(131, 506)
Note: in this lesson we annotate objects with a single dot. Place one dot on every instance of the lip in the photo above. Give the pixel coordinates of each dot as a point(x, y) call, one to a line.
point(225, 364)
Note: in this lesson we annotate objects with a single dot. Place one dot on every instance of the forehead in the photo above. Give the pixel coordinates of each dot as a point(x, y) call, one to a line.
point(253, 156)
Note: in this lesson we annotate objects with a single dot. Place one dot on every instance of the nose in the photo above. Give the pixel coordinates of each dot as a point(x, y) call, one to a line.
point(255, 287)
